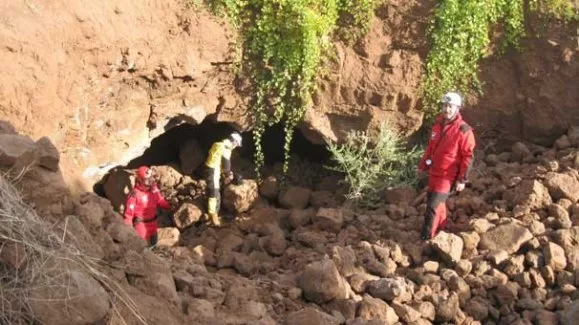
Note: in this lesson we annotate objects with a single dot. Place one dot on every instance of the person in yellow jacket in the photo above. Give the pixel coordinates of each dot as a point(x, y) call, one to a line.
point(219, 162)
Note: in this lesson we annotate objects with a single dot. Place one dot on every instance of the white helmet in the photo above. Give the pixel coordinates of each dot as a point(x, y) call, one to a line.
point(235, 138)
point(452, 98)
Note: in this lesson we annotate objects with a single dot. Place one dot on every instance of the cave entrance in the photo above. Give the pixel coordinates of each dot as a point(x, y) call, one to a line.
point(184, 147)
point(173, 147)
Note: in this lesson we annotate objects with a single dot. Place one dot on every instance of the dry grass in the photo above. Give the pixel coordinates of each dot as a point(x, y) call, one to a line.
point(46, 261)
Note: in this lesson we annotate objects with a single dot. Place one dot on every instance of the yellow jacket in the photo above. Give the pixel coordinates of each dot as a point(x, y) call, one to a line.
point(220, 155)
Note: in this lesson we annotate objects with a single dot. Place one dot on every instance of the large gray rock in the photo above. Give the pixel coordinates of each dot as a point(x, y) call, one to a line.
point(117, 185)
point(77, 235)
point(68, 297)
point(47, 155)
point(240, 198)
point(390, 289)
point(150, 274)
point(530, 193)
point(168, 237)
point(321, 282)
point(20, 152)
point(562, 186)
point(186, 215)
point(329, 219)
point(449, 246)
point(374, 308)
point(555, 257)
point(14, 147)
point(508, 237)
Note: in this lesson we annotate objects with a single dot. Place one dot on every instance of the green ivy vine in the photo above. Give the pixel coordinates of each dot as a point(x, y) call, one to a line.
point(283, 44)
point(460, 35)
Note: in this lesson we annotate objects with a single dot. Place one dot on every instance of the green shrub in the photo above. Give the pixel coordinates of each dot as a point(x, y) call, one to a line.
point(372, 164)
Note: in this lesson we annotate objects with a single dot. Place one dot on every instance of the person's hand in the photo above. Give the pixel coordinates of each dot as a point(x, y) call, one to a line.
point(227, 177)
point(459, 186)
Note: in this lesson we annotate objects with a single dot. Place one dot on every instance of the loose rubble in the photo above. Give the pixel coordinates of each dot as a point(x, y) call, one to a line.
point(510, 254)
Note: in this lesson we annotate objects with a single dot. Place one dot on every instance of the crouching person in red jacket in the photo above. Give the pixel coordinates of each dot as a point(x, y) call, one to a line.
point(447, 159)
point(142, 203)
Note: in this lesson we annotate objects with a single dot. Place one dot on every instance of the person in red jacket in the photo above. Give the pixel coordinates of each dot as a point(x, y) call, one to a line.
point(447, 160)
point(142, 203)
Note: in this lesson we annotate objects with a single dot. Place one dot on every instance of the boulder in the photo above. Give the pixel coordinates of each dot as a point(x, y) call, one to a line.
point(390, 288)
point(75, 233)
point(508, 237)
point(117, 185)
point(7, 128)
point(150, 274)
point(240, 198)
point(168, 237)
point(530, 193)
point(186, 215)
point(70, 296)
point(449, 246)
point(321, 282)
point(16, 150)
point(329, 219)
point(519, 152)
point(562, 186)
point(166, 176)
point(47, 155)
point(555, 257)
point(294, 197)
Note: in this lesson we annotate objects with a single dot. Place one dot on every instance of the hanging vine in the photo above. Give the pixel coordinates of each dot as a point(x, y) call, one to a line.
point(283, 43)
point(460, 37)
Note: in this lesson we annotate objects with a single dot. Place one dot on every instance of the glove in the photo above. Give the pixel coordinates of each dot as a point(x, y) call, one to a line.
point(227, 177)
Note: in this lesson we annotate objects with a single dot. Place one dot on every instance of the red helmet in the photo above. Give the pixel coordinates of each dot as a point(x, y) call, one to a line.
point(144, 172)
point(145, 175)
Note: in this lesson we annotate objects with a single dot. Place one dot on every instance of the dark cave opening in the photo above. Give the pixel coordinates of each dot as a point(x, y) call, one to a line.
point(273, 147)
point(169, 148)
point(165, 149)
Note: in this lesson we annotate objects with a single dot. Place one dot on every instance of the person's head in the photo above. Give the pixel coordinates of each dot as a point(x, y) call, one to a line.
point(450, 105)
point(235, 139)
point(145, 176)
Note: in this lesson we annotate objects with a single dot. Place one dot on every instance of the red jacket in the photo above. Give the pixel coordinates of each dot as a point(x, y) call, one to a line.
point(450, 149)
point(143, 203)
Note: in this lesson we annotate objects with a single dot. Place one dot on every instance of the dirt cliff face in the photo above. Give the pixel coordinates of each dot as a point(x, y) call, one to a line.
point(102, 79)
point(533, 94)
point(377, 79)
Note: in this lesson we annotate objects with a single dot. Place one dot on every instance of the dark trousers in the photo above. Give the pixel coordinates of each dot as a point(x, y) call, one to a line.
point(212, 178)
point(435, 217)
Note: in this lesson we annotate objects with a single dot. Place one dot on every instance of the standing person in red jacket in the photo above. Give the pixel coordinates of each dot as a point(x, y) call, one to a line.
point(142, 203)
point(447, 159)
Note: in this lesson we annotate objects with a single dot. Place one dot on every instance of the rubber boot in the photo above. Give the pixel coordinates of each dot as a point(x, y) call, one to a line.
point(215, 220)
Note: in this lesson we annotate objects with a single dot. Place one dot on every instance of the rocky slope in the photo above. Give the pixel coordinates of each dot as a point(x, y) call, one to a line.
point(296, 256)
